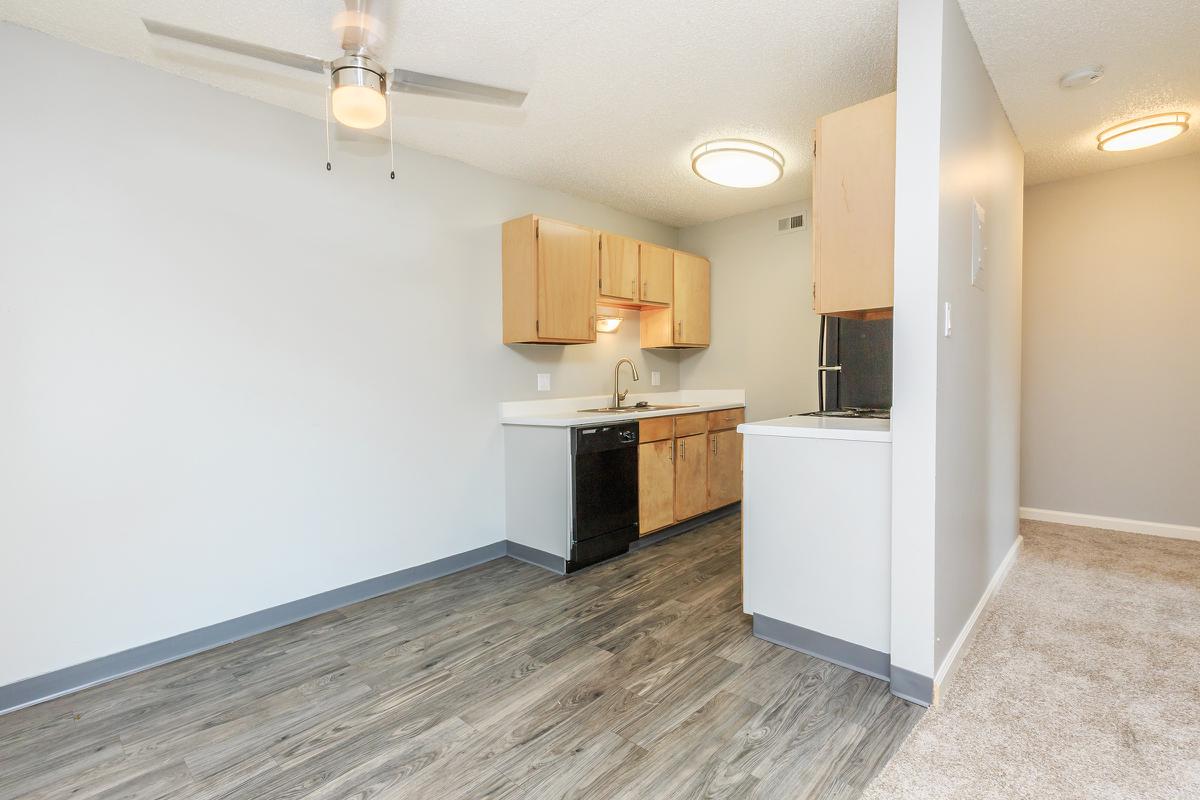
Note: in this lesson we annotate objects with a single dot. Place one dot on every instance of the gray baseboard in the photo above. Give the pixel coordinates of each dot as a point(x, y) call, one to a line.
point(539, 558)
point(906, 685)
point(106, 668)
point(558, 565)
point(685, 526)
point(912, 686)
point(854, 656)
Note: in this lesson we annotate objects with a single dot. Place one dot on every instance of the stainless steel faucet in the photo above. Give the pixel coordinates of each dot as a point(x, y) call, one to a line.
point(618, 396)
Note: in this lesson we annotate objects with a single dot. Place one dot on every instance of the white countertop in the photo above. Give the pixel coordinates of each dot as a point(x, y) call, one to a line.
point(564, 412)
point(859, 430)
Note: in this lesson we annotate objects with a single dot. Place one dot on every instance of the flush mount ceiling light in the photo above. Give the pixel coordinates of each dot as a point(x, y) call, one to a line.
point(1142, 132)
point(737, 163)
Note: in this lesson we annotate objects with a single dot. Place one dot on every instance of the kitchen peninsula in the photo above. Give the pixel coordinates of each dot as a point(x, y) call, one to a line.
point(816, 518)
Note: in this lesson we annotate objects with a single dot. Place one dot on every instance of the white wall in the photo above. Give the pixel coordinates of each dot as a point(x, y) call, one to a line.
point(231, 378)
point(914, 332)
point(1112, 344)
point(764, 331)
point(956, 405)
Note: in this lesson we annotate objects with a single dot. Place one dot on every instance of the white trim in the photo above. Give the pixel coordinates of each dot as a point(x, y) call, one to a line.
point(954, 657)
point(1167, 529)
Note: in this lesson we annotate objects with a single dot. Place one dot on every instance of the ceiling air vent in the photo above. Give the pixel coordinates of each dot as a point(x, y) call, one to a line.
point(793, 223)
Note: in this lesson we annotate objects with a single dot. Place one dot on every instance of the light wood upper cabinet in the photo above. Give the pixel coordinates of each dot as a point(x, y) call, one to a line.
point(691, 301)
point(656, 267)
point(724, 468)
point(618, 268)
point(656, 485)
point(854, 193)
point(550, 278)
point(556, 273)
point(686, 322)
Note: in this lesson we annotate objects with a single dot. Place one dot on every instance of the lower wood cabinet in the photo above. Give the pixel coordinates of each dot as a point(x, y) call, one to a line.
point(724, 468)
point(688, 464)
point(691, 476)
point(656, 485)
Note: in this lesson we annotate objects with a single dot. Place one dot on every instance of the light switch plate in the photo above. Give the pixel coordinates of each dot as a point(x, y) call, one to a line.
point(543, 381)
point(655, 377)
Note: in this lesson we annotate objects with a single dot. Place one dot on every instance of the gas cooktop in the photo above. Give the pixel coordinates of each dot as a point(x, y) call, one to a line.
point(852, 412)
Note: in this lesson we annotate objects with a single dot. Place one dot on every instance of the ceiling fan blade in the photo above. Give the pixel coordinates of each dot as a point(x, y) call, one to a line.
point(310, 63)
point(404, 80)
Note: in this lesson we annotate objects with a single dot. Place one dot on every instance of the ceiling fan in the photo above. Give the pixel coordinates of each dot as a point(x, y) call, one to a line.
point(358, 82)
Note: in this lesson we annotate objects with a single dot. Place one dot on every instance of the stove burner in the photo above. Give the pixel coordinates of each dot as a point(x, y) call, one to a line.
point(851, 412)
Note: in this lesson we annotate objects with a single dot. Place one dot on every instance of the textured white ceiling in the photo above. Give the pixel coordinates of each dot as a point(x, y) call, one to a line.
point(1150, 50)
point(619, 91)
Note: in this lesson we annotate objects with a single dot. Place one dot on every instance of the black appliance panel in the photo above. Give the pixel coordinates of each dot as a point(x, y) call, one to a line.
point(605, 492)
point(863, 348)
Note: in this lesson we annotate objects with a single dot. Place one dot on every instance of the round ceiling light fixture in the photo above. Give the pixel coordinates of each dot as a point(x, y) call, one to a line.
point(1142, 132)
point(737, 163)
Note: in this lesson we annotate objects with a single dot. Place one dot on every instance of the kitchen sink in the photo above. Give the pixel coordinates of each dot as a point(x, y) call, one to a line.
point(664, 406)
point(635, 408)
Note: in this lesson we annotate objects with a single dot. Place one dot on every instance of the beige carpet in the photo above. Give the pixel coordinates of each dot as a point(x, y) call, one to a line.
point(1083, 680)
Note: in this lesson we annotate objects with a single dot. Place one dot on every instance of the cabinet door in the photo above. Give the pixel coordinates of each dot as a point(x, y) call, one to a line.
point(566, 289)
point(854, 191)
point(656, 268)
point(656, 485)
point(618, 267)
point(690, 309)
point(724, 468)
point(691, 481)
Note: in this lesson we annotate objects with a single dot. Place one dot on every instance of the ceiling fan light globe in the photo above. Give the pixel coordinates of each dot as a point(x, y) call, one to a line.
point(359, 107)
point(358, 98)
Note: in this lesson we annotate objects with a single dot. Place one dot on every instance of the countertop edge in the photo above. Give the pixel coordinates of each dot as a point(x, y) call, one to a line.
point(552, 421)
point(843, 434)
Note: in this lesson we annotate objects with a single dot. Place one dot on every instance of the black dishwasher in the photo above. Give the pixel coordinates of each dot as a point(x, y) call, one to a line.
point(605, 492)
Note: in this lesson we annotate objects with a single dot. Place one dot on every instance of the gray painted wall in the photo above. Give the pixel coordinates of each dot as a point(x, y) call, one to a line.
point(956, 400)
point(232, 379)
point(979, 365)
point(1112, 344)
point(764, 331)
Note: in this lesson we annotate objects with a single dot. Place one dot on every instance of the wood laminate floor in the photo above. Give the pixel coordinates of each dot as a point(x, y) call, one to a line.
point(637, 678)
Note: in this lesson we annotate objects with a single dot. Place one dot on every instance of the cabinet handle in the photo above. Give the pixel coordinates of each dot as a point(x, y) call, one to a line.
point(592, 322)
point(633, 288)
point(682, 450)
point(679, 331)
point(644, 292)
point(714, 441)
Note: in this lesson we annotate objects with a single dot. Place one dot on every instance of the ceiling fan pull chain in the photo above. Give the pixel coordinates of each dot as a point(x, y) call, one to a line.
point(328, 155)
point(391, 138)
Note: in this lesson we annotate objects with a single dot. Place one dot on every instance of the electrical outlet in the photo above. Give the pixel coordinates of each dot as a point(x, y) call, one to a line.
point(543, 381)
point(655, 378)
